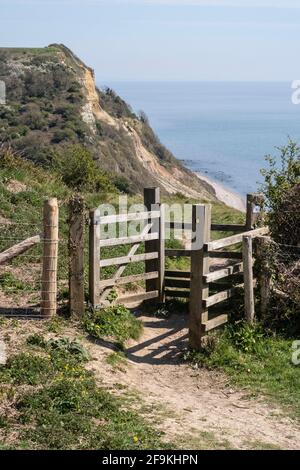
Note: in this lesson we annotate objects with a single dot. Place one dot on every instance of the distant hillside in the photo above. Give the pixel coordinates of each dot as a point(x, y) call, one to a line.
point(52, 102)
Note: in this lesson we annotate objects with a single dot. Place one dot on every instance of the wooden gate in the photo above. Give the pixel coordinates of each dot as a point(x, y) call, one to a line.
point(149, 240)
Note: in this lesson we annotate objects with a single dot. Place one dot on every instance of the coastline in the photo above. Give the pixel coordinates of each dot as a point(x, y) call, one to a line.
point(225, 195)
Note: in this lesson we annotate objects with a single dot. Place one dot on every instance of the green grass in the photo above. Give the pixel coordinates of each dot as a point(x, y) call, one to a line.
point(116, 322)
point(117, 360)
point(55, 403)
point(257, 361)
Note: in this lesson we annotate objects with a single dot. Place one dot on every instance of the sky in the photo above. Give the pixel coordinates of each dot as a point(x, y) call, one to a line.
point(164, 40)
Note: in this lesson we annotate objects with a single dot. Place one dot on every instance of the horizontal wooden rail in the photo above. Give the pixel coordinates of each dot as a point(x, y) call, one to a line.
point(221, 273)
point(128, 259)
point(214, 227)
point(228, 241)
point(138, 297)
point(220, 296)
point(128, 279)
point(228, 227)
point(178, 293)
point(19, 249)
point(178, 253)
point(128, 240)
point(225, 254)
point(214, 323)
point(111, 219)
point(181, 274)
point(185, 284)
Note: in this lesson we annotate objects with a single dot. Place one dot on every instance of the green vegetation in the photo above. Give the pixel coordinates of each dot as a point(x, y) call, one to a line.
point(115, 322)
point(53, 402)
point(256, 360)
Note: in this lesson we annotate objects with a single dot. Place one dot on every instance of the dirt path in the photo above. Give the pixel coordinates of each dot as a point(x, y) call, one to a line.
point(199, 406)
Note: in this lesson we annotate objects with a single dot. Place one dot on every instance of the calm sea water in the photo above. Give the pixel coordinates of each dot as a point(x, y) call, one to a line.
point(223, 130)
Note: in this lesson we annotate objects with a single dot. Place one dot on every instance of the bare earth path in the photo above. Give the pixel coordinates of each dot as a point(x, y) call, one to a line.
point(198, 405)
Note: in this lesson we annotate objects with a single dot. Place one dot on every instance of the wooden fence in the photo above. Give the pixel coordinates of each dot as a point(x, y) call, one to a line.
point(47, 260)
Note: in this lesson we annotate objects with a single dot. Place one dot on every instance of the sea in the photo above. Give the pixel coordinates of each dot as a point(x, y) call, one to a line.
point(223, 130)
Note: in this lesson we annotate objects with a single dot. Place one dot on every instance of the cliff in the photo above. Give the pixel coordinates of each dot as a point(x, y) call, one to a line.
point(52, 101)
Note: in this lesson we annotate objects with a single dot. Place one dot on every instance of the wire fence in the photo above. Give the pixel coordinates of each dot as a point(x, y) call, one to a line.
point(26, 287)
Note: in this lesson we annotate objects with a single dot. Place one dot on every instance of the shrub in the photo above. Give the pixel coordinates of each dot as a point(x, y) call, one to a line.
point(79, 171)
point(278, 187)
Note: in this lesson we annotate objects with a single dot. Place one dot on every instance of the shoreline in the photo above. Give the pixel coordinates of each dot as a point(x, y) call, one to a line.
point(225, 195)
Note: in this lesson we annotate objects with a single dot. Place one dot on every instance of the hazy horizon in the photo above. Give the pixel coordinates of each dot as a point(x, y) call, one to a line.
point(164, 40)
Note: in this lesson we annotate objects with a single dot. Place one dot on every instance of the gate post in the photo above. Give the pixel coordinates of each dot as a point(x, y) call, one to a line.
point(248, 279)
point(254, 210)
point(76, 255)
point(199, 290)
point(50, 254)
point(94, 258)
point(152, 202)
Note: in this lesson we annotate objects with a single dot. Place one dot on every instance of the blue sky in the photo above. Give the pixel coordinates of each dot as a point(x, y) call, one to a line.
point(164, 39)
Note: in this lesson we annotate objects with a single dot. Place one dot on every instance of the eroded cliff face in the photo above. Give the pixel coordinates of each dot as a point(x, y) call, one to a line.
point(53, 101)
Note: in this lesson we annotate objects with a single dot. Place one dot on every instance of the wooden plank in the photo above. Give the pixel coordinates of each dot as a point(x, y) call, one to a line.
point(228, 241)
point(252, 214)
point(128, 259)
point(110, 219)
point(214, 323)
point(199, 290)
point(76, 255)
point(178, 253)
point(248, 279)
point(228, 227)
point(225, 254)
point(178, 283)
point(152, 203)
point(138, 297)
point(177, 293)
point(50, 254)
point(161, 254)
point(19, 249)
point(180, 274)
point(128, 279)
point(94, 258)
point(221, 273)
point(220, 296)
point(128, 240)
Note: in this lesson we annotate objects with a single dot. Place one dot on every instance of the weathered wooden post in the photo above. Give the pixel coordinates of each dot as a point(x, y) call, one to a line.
point(76, 255)
point(50, 255)
point(248, 279)
point(199, 290)
point(94, 258)
point(254, 210)
point(265, 277)
point(152, 203)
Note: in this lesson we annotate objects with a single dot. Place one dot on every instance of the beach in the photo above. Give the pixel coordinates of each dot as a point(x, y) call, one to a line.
point(223, 194)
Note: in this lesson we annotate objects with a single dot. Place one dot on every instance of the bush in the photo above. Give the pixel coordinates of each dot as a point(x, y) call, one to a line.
point(278, 188)
point(79, 171)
